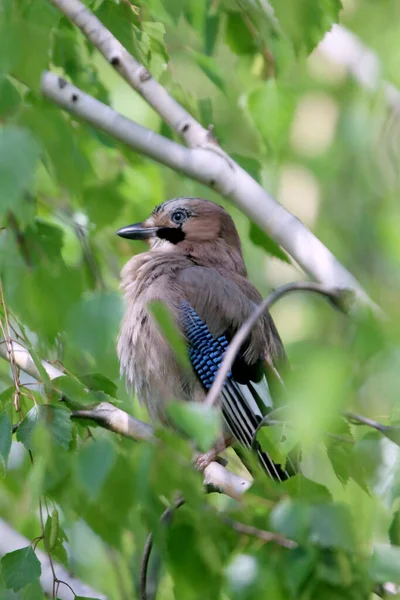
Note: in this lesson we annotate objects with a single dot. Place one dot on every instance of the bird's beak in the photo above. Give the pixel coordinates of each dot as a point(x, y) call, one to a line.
point(137, 231)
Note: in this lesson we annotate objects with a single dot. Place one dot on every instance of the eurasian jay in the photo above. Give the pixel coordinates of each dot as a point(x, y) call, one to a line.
point(195, 267)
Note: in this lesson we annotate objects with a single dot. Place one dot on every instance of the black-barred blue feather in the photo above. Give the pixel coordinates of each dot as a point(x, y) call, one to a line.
point(243, 405)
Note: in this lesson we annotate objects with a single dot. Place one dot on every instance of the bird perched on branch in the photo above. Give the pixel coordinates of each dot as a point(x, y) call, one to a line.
point(195, 268)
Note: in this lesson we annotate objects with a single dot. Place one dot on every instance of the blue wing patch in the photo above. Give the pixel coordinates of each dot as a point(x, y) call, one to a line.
point(240, 406)
point(205, 352)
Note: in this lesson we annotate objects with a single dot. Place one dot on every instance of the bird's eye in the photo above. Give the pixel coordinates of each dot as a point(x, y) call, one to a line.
point(179, 216)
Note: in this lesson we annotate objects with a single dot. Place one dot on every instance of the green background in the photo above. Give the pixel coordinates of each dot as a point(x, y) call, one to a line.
point(323, 146)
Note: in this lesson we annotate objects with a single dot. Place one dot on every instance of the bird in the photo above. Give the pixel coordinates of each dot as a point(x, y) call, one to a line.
point(194, 266)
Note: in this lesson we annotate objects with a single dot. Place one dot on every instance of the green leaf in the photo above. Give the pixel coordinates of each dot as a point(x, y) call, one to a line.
point(10, 98)
point(272, 109)
point(99, 382)
point(326, 525)
point(5, 439)
point(206, 112)
point(238, 36)
point(331, 526)
point(277, 440)
point(9, 44)
point(385, 564)
point(249, 164)
point(209, 66)
point(19, 153)
point(76, 392)
point(377, 460)
point(56, 418)
point(103, 203)
point(121, 20)
point(199, 422)
point(109, 515)
point(57, 549)
point(92, 330)
point(211, 30)
point(292, 518)
point(33, 27)
point(175, 8)
point(95, 462)
point(20, 568)
point(33, 591)
point(301, 488)
point(260, 238)
point(70, 387)
point(394, 531)
point(306, 22)
point(70, 166)
point(156, 33)
point(7, 395)
point(340, 455)
point(66, 49)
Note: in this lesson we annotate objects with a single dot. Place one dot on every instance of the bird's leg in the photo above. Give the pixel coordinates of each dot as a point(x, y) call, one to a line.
point(202, 460)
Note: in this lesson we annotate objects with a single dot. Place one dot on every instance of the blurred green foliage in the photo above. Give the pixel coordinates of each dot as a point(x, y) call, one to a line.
point(328, 150)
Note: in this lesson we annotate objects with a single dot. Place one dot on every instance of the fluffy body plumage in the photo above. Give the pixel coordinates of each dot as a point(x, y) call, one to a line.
point(195, 267)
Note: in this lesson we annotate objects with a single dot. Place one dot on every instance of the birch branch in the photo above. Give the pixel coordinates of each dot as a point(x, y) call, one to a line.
point(104, 414)
point(134, 73)
point(11, 540)
point(206, 163)
point(211, 168)
point(116, 420)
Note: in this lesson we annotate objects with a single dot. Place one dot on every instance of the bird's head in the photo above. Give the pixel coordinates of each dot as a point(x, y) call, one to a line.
point(191, 226)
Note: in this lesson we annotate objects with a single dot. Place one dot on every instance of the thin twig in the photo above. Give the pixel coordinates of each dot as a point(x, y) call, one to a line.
point(240, 336)
point(14, 367)
point(110, 417)
point(165, 518)
point(361, 420)
point(46, 545)
point(266, 536)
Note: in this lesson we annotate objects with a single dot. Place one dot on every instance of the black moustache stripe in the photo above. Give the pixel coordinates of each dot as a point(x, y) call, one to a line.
point(172, 234)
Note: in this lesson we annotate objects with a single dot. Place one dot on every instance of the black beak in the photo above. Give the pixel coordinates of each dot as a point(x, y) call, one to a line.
point(137, 231)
